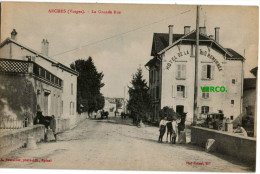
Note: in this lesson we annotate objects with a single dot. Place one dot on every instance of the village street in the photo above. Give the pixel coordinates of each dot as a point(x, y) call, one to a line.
point(117, 144)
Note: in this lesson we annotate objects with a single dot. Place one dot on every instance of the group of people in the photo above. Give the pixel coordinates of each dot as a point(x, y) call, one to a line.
point(48, 121)
point(174, 129)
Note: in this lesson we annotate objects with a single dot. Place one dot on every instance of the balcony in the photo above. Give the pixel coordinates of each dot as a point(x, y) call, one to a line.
point(11, 66)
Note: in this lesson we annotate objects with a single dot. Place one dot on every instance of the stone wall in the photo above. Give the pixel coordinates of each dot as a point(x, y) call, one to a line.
point(14, 139)
point(240, 147)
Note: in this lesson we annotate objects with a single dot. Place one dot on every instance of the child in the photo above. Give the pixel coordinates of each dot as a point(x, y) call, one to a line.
point(162, 128)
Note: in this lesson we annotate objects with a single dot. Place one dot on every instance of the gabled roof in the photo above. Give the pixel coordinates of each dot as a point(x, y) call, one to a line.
point(161, 41)
point(249, 83)
point(161, 44)
point(54, 62)
point(151, 62)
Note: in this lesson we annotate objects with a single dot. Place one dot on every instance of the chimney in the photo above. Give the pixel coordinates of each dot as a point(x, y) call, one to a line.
point(170, 34)
point(186, 29)
point(211, 37)
point(14, 34)
point(217, 34)
point(203, 30)
point(45, 47)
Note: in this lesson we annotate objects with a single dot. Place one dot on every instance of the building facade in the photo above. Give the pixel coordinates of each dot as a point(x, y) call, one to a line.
point(53, 84)
point(172, 74)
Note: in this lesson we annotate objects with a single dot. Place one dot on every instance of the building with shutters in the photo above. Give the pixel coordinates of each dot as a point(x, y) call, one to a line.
point(53, 86)
point(172, 74)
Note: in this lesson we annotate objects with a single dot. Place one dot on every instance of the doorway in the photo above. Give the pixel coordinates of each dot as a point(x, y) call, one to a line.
point(46, 103)
point(180, 109)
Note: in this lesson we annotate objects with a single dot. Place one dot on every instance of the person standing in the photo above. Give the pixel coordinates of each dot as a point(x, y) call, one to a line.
point(53, 126)
point(175, 129)
point(162, 128)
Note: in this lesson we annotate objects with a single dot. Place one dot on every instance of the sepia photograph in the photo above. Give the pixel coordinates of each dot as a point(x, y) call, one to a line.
point(140, 87)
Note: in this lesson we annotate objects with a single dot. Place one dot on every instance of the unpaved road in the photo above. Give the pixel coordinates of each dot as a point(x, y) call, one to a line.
point(116, 144)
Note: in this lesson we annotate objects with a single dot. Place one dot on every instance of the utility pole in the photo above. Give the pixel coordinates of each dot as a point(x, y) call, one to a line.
point(124, 102)
point(195, 107)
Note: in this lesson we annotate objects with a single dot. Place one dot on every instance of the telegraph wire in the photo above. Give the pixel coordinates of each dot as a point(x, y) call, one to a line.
point(96, 42)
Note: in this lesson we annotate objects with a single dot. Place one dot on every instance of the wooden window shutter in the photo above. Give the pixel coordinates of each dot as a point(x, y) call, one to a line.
point(199, 110)
point(186, 91)
point(212, 72)
point(178, 75)
point(174, 89)
point(184, 71)
point(210, 109)
point(204, 71)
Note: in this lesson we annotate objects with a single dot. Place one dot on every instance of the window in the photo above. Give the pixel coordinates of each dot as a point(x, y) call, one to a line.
point(204, 109)
point(61, 109)
point(232, 102)
point(154, 75)
point(180, 91)
point(233, 81)
point(231, 117)
point(157, 75)
point(157, 92)
point(151, 76)
point(71, 108)
point(181, 71)
point(207, 71)
point(71, 88)
point(249, 110)
point(205, 95)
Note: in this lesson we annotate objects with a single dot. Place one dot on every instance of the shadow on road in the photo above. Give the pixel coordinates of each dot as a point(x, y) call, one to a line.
point(116, 120)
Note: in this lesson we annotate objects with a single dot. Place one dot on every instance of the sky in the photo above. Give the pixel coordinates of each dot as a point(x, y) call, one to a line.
point(120, 43)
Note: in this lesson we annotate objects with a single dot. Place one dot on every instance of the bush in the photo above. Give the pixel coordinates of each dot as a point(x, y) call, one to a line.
point(169, 113)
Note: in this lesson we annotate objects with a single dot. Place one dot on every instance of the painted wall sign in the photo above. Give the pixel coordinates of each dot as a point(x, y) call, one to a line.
point(180, 54)
point(205, 53)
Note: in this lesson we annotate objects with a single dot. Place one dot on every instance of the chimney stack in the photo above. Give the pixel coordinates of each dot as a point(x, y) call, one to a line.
point(170, 34)
point(203, 30)
point(14, 35)
point(186, 29)
point(217, 34)
point(45, 47)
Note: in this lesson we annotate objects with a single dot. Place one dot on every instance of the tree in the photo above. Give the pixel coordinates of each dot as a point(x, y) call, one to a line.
point(169, 113)
point(139, 99)
point(89, 84)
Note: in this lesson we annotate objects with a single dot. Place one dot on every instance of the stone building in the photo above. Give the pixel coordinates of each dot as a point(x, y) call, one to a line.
point(172, 74)
point(51, 86)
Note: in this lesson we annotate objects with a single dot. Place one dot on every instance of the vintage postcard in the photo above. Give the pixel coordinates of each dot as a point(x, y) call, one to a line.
point(128, 86)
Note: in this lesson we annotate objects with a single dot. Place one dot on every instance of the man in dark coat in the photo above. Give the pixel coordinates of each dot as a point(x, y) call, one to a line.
point(53, 126)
